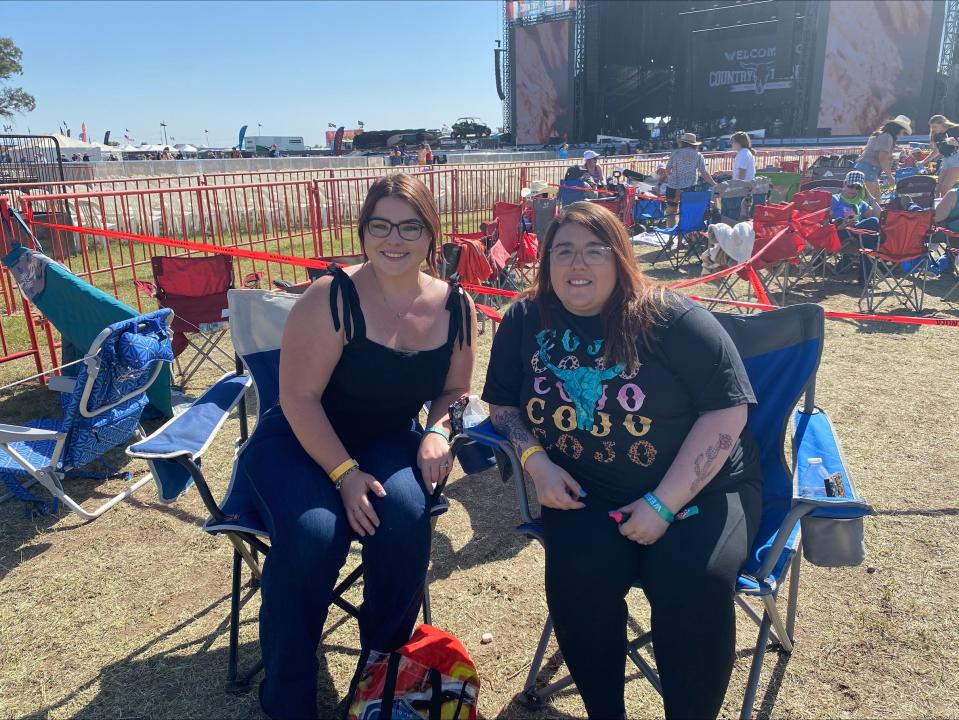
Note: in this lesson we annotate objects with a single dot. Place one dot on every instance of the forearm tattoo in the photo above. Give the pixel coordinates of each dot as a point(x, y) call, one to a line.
point(705, 465)
point(509, 422)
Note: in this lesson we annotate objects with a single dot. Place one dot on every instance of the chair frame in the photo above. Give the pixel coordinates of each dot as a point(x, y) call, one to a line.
point(49, 476)
point(889, 274)
point(249, 549)
point(690, 242)
point(782, 559)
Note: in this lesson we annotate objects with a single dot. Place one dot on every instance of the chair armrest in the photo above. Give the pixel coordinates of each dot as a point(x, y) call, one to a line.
point(816, 437)
point(190, 432)
point(174, 450)
point(18, 433)
point(485, 434)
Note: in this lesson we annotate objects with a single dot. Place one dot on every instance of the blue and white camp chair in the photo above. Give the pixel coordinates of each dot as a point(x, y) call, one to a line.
point(781, 350)
point(101, 410)
point(686, 240)
point(257, 319)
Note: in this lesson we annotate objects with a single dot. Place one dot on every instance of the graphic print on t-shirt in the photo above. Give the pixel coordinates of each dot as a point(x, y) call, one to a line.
point(575, 371)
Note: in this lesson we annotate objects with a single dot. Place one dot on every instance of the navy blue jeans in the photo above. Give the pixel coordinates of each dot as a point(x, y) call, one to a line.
point(310, 538)
point(868, 241)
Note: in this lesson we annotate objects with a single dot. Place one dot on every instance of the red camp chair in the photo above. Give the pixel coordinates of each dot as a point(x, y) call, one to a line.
point(514, 252)
point(900, 262)
point(813, 222)
point(195, 289)
point(776, 264)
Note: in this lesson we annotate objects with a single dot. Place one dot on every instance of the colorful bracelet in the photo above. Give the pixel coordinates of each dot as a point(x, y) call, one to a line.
point(439, 431)
point(527, 453)
point(656, 504)
point(342, 469)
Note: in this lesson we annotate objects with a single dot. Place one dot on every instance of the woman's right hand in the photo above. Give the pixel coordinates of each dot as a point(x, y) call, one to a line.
point(555, 488)
point(359, 511)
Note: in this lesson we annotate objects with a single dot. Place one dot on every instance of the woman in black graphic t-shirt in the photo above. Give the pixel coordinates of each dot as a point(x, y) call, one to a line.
point(620, 397)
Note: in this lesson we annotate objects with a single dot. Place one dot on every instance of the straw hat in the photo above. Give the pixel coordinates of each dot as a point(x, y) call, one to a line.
point(903, 122)
point(689, 138)
point(537, 187)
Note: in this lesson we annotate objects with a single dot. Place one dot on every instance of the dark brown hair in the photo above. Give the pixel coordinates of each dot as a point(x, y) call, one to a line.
point(416, 194)
point(635, 306)
point(744, 141)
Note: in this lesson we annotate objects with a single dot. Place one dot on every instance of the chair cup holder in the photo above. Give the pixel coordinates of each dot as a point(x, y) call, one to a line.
point(828, 542)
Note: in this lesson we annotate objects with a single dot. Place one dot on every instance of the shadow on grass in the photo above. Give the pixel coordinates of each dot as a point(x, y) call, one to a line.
point(491, 506)
point(188, 679)
point(921, 512)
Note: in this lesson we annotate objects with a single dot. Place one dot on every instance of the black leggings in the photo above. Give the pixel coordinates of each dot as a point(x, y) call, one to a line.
point(689, 578)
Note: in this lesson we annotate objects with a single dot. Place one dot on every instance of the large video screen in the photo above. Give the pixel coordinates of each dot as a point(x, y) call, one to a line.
point(741, 71)
point(874, 69)
point(527, 9)
point(542, 82)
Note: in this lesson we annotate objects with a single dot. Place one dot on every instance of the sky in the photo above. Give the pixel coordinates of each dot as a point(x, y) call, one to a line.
point(292, 67)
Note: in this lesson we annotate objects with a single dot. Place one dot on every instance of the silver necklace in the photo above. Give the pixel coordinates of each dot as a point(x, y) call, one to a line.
point(397, 315)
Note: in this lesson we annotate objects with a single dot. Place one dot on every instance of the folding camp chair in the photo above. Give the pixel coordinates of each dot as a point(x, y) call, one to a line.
point(916, 189)
point(950, 248)
point(784, 184)
point(899, 264)
point(781, 351)
point(904, 172)
point(571, 191)
point(824, 184)
point(195, 289)
point(813, 223)
point(685, 241)
point(101, 410)
point(737, 198)
point(778, 248)
point(257, 319)
point(513, 255)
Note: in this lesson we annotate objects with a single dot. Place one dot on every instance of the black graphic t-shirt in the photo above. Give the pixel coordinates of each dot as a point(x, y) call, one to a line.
point(618, 431)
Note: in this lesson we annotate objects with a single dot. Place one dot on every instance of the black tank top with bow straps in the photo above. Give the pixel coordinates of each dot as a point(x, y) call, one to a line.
point(375, 389)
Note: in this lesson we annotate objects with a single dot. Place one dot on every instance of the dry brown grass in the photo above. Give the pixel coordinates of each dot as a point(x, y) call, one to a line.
point(125, 617)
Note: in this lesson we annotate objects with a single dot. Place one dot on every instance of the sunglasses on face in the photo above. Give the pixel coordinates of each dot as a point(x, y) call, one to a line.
point(565, 255)
point(409, 230)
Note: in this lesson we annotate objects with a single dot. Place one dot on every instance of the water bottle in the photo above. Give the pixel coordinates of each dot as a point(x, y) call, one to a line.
point(815, 476)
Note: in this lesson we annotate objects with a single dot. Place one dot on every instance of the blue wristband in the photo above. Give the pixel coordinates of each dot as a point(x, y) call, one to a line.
point(656, 504)
point(439, 431)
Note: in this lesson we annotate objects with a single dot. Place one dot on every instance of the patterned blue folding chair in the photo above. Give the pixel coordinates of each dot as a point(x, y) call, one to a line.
point(101, 410)
point(257, 319)
point(685, 241)
point(781, 350)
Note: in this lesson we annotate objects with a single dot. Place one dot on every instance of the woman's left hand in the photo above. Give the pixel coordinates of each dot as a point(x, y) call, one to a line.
point(644, 526)
point(434, 459)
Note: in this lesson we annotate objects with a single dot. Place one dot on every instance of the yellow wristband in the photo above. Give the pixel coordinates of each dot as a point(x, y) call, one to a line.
point(343, 468)
point(527, 453)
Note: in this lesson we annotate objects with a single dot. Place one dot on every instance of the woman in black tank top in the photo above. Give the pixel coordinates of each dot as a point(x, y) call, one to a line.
point(341, 457)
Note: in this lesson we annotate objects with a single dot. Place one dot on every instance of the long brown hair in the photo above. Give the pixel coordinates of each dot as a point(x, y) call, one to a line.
point(744, 141)
point(939, 120)
point(635, 306)
point(416, 194)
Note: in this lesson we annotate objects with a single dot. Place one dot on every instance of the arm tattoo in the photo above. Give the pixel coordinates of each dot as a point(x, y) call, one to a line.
point(704, 464)
point(509, 422)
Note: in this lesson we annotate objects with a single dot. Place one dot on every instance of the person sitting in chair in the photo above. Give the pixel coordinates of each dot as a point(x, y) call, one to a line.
point(619, 396)
point(337, 460)
point(855, 207)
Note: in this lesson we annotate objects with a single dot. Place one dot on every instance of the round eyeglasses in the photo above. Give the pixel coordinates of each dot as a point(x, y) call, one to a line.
point(564, 256)
point(409, 230)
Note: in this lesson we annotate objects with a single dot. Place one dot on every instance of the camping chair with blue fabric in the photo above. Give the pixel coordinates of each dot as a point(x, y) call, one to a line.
point(781, 351)
point(685, 241)
point(257, 319)
point(101, 410)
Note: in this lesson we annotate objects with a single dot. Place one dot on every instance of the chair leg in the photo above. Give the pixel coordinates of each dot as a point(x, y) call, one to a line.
point(233, 657)
point(427, 612)
point(793, 595)
point(759, 653)
point(648, 671)
point(531, 696)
